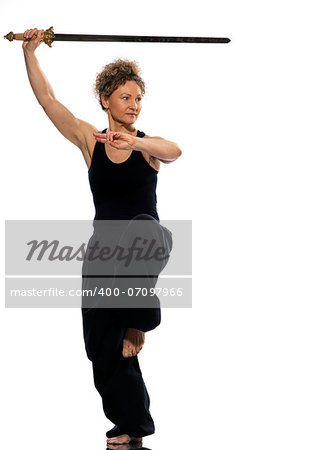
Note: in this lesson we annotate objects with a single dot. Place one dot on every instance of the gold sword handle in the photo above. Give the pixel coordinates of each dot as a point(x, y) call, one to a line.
point(47, 36)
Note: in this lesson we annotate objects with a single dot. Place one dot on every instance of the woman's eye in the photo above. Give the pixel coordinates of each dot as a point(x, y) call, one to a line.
point(139, 98)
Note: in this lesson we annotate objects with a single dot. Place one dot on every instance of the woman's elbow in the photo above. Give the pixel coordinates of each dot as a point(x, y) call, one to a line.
point(173, 155)
point(178, 151)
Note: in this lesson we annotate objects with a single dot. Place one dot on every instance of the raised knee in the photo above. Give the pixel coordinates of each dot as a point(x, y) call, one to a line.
point(143, 216)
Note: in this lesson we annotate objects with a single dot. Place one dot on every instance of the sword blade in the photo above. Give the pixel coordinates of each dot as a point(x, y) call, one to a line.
point(122, 38)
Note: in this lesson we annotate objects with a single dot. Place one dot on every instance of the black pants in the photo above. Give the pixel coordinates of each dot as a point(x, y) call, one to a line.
point(119, 380)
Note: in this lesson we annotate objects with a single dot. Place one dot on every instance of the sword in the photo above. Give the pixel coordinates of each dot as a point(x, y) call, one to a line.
point(49, 37)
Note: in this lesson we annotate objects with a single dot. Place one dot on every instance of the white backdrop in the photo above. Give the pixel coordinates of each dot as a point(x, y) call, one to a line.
point(252, 364)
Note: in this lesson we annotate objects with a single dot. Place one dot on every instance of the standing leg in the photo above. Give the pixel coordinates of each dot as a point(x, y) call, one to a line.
point(118, 380)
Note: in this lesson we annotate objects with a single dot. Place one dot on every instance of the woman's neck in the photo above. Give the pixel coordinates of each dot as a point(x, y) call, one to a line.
point(118, 126)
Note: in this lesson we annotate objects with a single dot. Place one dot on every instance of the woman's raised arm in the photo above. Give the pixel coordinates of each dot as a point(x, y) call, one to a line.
point(75, 130)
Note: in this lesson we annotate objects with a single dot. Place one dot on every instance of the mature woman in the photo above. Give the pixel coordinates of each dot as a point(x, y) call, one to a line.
point(123, 164)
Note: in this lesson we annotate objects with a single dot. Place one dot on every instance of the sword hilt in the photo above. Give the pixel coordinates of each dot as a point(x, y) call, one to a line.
point(47, 36)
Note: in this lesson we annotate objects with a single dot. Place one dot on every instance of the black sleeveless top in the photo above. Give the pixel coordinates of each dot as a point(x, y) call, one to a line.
point(122, 190)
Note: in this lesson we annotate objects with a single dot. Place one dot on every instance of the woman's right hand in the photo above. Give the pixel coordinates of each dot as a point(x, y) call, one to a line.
point(32, 44)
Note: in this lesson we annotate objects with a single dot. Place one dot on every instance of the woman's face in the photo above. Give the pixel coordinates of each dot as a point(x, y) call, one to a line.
point(125, 103)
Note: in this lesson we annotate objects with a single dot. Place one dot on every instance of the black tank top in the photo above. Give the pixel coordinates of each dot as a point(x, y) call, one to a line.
point(122, 190)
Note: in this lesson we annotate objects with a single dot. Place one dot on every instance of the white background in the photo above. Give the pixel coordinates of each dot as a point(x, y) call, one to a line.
point(252, 364)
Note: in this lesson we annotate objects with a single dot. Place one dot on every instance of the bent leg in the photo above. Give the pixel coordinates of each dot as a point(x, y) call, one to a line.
point(139, 278)
point(131, 282)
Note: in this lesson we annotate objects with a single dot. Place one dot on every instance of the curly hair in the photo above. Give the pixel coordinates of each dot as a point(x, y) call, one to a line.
point(116, 74)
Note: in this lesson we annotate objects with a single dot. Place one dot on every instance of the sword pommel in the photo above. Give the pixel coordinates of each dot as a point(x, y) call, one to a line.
point(10, 36)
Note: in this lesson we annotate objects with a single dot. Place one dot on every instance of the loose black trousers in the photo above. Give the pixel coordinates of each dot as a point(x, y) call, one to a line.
point(119, 380)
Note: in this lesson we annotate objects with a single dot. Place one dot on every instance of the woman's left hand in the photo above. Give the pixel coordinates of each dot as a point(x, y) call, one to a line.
point(120, 141)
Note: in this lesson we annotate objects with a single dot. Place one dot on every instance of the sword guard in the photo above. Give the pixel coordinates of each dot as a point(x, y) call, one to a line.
point(47, 36)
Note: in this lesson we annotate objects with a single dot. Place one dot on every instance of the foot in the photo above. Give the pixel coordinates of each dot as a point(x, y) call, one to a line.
point(131, 446)
point(133, 342)
point(123, 439)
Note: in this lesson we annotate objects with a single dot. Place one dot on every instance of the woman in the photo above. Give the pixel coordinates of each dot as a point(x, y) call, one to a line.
point(123, 164)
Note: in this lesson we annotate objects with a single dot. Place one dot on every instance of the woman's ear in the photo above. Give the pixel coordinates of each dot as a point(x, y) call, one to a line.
point(104, 100)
